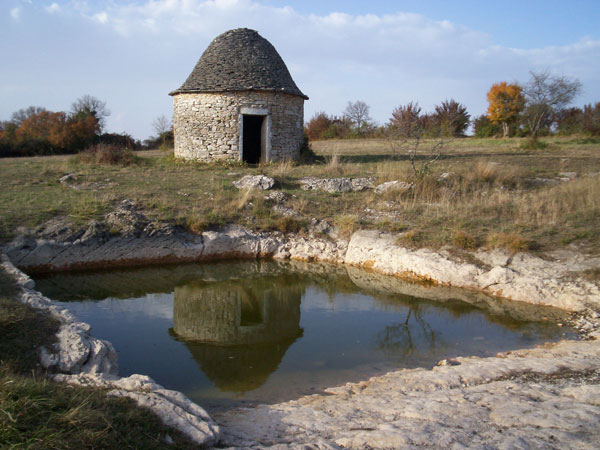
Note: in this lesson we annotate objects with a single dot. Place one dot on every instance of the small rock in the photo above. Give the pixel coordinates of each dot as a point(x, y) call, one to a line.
point(285, 211)
point(255, 182)
point(277, 197)
point(569, 175)
point(68, 178)
point(448, 362)
point(396, 186)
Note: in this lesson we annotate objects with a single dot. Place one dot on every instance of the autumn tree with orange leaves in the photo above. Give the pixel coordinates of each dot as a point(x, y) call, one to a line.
point(506, 103)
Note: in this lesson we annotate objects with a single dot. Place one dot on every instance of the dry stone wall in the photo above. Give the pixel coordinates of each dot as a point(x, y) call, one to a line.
point(207, 127)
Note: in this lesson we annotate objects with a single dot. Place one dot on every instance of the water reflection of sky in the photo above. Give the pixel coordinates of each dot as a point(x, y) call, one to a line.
point(261, 332)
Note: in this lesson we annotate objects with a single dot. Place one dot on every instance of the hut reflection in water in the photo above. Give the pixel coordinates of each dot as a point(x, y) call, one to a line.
point(238, 330)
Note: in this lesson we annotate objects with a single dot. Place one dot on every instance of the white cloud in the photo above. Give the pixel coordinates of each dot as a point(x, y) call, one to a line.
point(383, 59)
point(15, 13)
point(53, 8)
point(101, 17)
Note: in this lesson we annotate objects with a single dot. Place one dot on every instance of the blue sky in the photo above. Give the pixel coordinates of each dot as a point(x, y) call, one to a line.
point(132, 53)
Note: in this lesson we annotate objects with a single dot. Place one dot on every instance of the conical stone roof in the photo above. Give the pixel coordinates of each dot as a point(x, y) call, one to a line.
point(240, 60)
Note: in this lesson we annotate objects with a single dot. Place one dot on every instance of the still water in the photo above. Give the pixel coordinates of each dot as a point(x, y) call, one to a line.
point(233, 333)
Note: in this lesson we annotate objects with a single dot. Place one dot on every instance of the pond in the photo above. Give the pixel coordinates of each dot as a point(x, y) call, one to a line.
point(231, 333)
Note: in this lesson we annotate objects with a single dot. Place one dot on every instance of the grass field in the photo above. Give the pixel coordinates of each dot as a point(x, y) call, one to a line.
point(490, 198)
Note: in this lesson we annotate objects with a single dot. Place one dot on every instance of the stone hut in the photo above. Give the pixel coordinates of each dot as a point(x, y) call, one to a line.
point(239, 103)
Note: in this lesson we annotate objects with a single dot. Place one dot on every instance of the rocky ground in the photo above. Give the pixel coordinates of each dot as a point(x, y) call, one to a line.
point(546, 397)
point(541, 398)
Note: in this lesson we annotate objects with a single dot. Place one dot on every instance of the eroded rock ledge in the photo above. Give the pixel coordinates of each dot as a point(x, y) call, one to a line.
point(127, 238)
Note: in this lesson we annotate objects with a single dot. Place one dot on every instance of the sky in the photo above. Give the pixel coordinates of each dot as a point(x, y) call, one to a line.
point(131, 54)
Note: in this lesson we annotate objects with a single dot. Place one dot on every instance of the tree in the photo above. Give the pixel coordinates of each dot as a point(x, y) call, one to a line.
point(317, 125)
point(358, 114)
point(569, 121)
point(546, 95)
point(19, 116)
point(162, 126)
point(591, 119)
point(408, 128)
point(483, 127)
point(506, 103)
point(87, 106)
point(406, 120)
point(451, 119)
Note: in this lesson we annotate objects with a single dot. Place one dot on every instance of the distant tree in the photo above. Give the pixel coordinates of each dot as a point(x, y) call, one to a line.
point(122, 140)
point(162, 126)
point(19, 116)
point(483, 127)
point(87, 106)
point(568, 121)
point(408, 128)
point(591, 119)
point(545, 96)
point(358, 114)
point(323, 126)
point(318, 124)
point(506, 101)
point(450, 119)
point(406, 120)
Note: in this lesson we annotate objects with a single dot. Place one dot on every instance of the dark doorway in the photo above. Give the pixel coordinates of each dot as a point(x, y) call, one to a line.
point(252, 138)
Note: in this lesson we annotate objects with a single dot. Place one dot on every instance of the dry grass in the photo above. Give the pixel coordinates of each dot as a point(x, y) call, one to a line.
point(486, 194)
point(334, 166)
point(283, 170)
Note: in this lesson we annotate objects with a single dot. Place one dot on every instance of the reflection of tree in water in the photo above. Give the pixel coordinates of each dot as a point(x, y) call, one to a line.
point(400, 340)
point(239, 330)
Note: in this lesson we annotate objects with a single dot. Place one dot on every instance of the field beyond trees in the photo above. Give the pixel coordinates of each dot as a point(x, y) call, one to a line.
point(481, 193)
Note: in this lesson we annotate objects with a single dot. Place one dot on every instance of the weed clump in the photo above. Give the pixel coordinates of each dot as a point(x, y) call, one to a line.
point(531, 144)
point(510, 241)
point(465, 241)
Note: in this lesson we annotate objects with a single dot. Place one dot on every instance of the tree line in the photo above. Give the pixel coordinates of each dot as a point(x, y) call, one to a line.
point(38, 131)
point(540, 107)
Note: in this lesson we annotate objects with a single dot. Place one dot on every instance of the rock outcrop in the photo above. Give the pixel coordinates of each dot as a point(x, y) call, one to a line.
point(521, 277)
point(127, 238)
point(546, 397)
point(261, 182)
point(333, 185)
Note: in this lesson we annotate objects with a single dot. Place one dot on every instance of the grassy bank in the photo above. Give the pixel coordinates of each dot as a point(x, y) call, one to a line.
point(496, 194)
point(38, 414)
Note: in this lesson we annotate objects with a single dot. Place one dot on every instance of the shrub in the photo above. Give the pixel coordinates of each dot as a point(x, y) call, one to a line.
point(483, 127)
point(108, 154)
